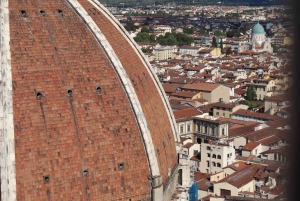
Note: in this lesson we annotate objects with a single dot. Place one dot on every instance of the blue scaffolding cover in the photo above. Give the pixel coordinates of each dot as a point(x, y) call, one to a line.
point(193, 192)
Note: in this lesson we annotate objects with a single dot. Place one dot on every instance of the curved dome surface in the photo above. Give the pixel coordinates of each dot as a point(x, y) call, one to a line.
point(84, 116)
point(258, 29)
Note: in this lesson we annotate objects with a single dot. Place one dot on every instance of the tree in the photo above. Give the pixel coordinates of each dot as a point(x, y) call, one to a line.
point(147, 50)
point(233, 33)
point(187, 30)
point(175, 39)
point(144, 29)
point(251, 94)
point(152, 38)
point(228, 51)
point(142, 37)
point(275, 47)
point(202, 31)
point(131, 27)
point(243, 30)
point(214, 42)
point(221, 46)
point(219, 33)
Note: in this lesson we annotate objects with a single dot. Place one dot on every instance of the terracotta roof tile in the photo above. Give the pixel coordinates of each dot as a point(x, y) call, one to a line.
point(188, 145)
point(186, 113)
point(184, 94)
point(250, 146)
point(248, 113)
point(201, 87)
point(243, 176)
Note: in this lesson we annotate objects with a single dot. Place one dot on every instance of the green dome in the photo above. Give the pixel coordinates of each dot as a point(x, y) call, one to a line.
point(258, 29)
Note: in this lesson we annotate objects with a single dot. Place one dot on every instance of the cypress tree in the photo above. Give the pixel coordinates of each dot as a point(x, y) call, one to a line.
point(221, 46)
point(214, 42)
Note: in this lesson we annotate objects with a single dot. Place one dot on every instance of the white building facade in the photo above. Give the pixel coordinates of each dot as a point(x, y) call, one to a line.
point(215, 156)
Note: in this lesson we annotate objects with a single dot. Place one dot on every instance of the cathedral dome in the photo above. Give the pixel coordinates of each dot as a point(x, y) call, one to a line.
point(83, 115)
point(258, 29)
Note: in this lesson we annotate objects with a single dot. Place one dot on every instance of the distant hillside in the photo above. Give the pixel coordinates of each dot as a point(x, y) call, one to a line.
point(119, 3)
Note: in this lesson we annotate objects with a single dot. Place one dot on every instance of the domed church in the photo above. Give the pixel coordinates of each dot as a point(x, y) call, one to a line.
point(83, 115)
point(259, 42)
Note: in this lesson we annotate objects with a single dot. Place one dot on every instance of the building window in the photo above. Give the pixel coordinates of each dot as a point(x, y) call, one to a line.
point(218, 164)
point(214, 164)
point(217, 113)
point(205, 129)
point(223, 131)
point(214, 156)
point(208, 154)
point(208, 148)
point(219, 156)
point(195, 152)
point(207, 163)
point(230, 115)
point(213, 131)
point(223, 114)
point(189, 127)
point(181, 129)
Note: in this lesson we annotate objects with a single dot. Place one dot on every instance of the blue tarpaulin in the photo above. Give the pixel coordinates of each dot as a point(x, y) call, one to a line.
point(193, 192)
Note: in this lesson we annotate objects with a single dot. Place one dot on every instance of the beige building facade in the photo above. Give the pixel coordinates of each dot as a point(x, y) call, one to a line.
point(164, 52)
point(226, 110)
point(216, 156)
point(233, 190)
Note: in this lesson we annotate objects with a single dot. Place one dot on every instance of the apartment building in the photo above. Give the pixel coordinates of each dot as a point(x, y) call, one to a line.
point(212, 92)
point(189, 49)
point(164, 52)
point(226, 110)
point(216, 155)
point(262, 87)
point(273, 104)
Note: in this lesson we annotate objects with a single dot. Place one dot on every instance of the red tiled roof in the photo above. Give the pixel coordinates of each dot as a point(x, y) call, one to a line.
point(189, 47)
point(194, 158)
point(250, 146)
point(184, 94)
point(285, 134)
point(280, 98)
point(242, 130)
point(270, 140)
point(240, 91)
point(200, 175)
point(282, 151)
point(261, 134)
point(226, 105)
point(279, 122)
point(179, 107)
point(204, 185)
point(188, 145)
point(278, 189)
point(186, 113)
point(170, 88)
point(236, 165)
point(250, 113)
point(201, 87)
point(243, 176)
